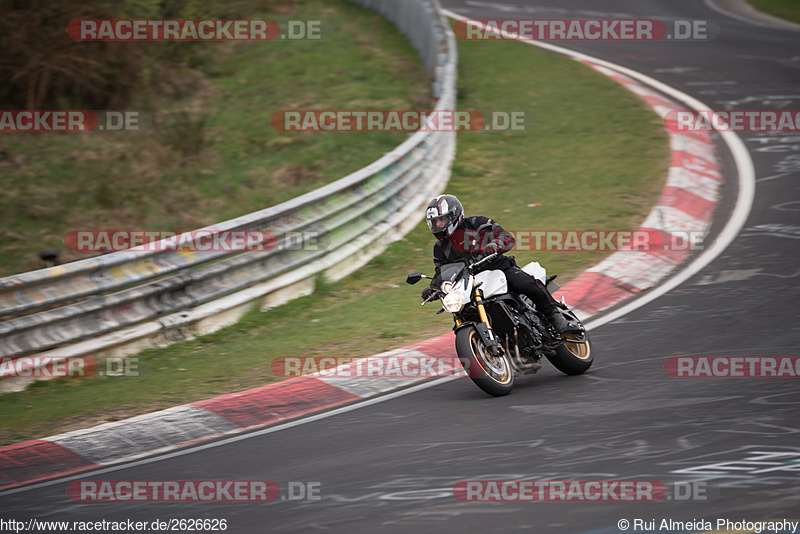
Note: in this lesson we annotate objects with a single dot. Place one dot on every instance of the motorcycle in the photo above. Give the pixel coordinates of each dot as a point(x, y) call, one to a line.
point(500, 335)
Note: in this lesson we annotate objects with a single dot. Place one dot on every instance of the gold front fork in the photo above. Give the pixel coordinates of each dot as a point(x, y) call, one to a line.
point(484, 317)
point(479, 303)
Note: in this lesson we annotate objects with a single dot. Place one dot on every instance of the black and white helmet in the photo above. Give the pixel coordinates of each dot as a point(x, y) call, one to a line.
point(444, 215)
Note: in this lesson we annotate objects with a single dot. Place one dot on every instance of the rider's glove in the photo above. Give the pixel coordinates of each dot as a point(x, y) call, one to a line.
point(427, 293)
point(491, 248)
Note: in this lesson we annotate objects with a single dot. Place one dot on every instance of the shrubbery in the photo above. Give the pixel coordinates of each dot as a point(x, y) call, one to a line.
point(42, 68)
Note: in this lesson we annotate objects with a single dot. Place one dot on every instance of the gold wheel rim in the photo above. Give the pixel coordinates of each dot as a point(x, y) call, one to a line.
point(479, 351)
point(579, 350)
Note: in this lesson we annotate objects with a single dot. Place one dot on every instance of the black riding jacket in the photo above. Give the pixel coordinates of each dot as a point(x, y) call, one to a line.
point(466, 245)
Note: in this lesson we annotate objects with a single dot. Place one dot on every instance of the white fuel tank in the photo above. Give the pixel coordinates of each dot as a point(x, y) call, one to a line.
point(494, 283)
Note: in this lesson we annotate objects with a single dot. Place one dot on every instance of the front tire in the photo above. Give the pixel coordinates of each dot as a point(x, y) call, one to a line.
point(494, 375)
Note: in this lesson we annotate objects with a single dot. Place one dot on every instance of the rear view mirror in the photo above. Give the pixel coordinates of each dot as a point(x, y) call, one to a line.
point(413, 278)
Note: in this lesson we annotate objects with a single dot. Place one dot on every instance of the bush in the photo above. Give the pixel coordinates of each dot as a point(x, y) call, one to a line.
point(42, 68)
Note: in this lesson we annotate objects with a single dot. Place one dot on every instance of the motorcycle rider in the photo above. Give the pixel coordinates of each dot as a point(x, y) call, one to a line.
point(459, 240)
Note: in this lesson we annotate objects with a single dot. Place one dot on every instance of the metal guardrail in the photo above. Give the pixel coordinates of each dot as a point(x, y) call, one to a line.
point(355, 217)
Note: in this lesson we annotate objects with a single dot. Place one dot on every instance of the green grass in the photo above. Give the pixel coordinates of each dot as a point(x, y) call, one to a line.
point(212, 153)
point(785, 9)
point(596, 159)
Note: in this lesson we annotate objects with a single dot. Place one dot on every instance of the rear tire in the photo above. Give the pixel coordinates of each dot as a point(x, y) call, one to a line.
point(573, 358)
point(494, 376)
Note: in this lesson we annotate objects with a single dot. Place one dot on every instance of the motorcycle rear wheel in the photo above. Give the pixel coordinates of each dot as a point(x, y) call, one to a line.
point(573, 358)
point(494, 375)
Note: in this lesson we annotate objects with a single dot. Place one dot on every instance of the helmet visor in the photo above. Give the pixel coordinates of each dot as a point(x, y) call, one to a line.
point(439, 224)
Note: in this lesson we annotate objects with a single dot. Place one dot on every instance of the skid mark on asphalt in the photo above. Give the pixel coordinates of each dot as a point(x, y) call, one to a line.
point(614, 407)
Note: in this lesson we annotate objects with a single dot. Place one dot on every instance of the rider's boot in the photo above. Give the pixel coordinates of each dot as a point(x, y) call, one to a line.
point(557, 320)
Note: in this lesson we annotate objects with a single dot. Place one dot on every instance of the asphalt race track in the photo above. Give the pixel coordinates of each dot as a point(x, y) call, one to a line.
point(731, 445)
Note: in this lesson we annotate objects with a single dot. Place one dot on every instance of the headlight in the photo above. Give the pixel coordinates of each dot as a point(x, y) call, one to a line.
point(447, 287)
point(453, 302)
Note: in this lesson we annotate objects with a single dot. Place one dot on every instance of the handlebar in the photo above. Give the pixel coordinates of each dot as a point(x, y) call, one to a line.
point(433, 297)
point(488, 258)
point(470, 267)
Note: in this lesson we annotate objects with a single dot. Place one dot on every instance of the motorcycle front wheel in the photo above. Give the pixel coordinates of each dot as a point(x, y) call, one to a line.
point(493, 374)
